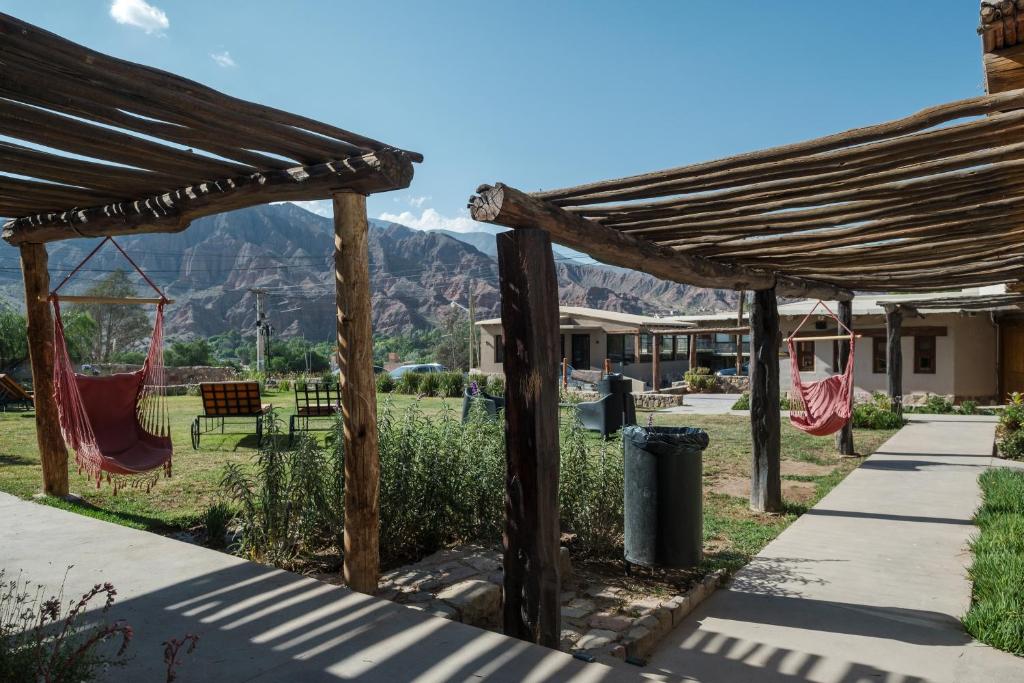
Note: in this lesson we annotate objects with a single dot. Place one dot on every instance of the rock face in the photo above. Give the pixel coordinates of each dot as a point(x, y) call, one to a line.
point(209, 268)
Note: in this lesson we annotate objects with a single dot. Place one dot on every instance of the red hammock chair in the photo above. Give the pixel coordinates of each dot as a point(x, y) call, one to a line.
point(822, 407)
point(117, 424)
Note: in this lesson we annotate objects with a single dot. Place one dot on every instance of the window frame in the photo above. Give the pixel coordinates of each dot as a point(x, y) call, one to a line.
point(671, 342)
point(615, 340)
point(920, 354)
point(804, 350)
point(879, 355)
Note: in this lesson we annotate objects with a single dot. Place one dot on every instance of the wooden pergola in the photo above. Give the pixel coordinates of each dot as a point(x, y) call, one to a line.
point(925, 203)
point(117, 148)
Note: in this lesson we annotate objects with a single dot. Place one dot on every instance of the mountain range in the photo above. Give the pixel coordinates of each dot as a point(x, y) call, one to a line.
point(211, 268)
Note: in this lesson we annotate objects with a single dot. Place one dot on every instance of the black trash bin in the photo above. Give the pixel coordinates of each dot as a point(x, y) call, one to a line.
point(663, 503)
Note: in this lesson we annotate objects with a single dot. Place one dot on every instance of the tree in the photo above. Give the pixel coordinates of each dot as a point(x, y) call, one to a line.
point(79, 334)
point(193, 353)
point(118, 327)
point(13, 339)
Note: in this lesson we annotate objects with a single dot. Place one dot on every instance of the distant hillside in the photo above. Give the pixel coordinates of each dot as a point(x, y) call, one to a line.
point(209, 269)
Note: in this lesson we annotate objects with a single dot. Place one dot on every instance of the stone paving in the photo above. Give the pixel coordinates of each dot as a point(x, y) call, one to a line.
point(598, 620)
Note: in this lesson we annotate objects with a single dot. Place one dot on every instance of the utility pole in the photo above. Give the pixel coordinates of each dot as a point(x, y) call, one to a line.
point(261, 330)
point(472, 323)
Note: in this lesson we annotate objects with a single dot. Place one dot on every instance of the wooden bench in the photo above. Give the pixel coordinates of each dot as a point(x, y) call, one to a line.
point(222, 400)
point(313, 400)
point(12, 393)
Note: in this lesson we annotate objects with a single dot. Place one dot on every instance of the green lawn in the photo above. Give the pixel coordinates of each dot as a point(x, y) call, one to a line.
point(810, 469)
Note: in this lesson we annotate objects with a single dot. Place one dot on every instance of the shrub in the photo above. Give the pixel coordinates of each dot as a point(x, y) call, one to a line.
point(385, 383)
point(969, 407)
point(1012, 445)
point(451, 384)
point(409, 383)
point(46, 640)
point(933, 405)
point(700, 379)
point(430, 384)
point(876, 414)
point(479, 378)
point(742, 403)
point(216, 519)
point(997, 571)
point(284, 385)
point(496, 385)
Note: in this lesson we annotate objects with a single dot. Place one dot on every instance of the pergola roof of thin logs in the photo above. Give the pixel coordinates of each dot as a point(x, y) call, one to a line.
point(1002, 24)
point(929, 202)
point(106, 146)
point(980, 302)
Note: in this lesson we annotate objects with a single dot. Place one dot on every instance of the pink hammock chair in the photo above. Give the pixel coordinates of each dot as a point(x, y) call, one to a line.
point(117, 425)
point(825, 406)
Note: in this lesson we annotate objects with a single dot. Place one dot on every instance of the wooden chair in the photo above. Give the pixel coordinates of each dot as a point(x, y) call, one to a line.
point(12, 393)
point(222, 400)
point(313, 400)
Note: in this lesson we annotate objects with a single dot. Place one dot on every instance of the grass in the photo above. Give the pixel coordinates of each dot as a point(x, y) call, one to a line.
point(996, 616)
point(733, 533)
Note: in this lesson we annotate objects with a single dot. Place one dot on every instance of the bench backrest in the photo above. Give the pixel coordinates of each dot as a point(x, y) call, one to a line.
point(317, 399)
point(10, 388)
point(231, 399)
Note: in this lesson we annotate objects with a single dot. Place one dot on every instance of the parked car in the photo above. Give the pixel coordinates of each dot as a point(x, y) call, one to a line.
point(731, 372)
point(417, 367)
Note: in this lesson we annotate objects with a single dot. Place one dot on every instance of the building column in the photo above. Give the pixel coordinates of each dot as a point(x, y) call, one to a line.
point(655, 362)
point(844, 437)
point(894, 356)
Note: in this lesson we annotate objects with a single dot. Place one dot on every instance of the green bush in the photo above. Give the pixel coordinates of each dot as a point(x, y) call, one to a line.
point(743, 402)
point(451, 384)
point(933, 405)
point(876, 414)
point(430, 384)
point(997, 572)
point(284, 385)
point(1012, 445)
point(969, 407)
point(385, 383)
point(479, 378)
point(216, 519)
point(700, 379)
point(409, 383)
point(1010, 428)
point(496, 385)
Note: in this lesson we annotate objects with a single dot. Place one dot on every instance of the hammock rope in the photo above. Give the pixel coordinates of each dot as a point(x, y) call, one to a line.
point(824, 406)
point(117, 425)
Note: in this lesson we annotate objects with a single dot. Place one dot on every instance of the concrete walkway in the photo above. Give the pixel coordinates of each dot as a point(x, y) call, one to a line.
point(867, 586)
point(257, 623)
point(706, 404)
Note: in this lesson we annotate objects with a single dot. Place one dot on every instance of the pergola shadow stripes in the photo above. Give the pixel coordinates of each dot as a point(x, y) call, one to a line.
point(96, 146)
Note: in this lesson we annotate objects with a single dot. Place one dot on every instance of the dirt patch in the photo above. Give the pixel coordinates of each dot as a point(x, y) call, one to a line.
point(800, 467)
point(796, 491)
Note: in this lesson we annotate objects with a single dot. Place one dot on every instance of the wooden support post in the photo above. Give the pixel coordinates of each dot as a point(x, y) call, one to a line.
point(765, 419)
point(529, 318)
point(655, 362)
point(693, 352)
point(52, 451)
point(358, 392)
point(844, 437)
point(739, 337)
point(894, 356)
point(565, 372)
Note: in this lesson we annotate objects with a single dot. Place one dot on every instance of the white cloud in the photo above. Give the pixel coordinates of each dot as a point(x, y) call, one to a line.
point(418, 202)
point(321, 207)
point(140, 14)
point(430, 219)
point(223, 59)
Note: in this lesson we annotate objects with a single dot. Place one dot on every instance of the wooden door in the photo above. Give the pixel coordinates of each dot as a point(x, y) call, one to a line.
point(1012, 362)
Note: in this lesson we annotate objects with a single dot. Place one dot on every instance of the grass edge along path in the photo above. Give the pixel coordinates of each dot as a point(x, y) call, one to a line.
point(996, 615)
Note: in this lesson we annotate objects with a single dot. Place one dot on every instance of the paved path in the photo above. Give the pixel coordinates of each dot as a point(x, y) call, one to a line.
point(706, 404)
point(257, 623)
point(867, 586)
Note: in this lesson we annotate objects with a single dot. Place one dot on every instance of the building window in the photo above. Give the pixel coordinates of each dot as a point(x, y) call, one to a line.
point(805, 356)
point(645, 348)
point(616, 347)
point(683, 346)
point(668, 342)
point(924, 355)
point(629, 348)
point(878, 354)
point(499, 349)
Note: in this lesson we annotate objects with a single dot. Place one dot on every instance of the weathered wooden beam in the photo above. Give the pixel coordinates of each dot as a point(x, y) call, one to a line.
point(739, 335)
point(173, 211)
point(358, 392)
point(504, 205)
point(765, 416)
point(1004, 69)
point(52, 450)
point(529, 317)
point(692, 349)
point(894, 356)
point(844, 437)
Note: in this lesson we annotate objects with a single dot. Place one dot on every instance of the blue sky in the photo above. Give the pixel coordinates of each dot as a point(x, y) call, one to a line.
point(548, 94)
